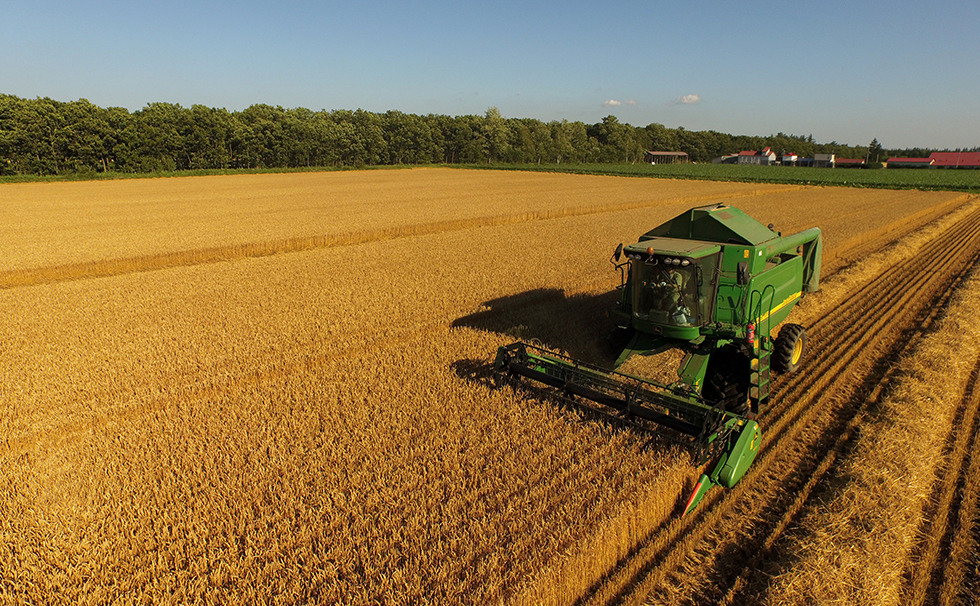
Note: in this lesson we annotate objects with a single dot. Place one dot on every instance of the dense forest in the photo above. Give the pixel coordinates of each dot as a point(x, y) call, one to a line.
point(47, 137)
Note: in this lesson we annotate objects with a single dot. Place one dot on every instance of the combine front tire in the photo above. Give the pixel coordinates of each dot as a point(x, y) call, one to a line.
point(727, 382)
point(789, 348)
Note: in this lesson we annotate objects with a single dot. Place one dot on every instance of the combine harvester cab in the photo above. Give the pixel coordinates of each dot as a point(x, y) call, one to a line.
point(712, 282)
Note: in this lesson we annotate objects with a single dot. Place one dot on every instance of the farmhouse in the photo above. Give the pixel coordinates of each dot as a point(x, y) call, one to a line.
point(764, 158)
point(665, 157)
point(849, 163)
point(789, 159)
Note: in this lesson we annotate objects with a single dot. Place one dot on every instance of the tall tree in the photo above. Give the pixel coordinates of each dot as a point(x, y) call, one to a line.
point(617, 141)
point(158, 138)
point(408, 139)
point(495, 135)
point(875, 152)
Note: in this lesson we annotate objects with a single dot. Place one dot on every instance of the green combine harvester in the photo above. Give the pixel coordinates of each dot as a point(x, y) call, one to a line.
point(712, 282)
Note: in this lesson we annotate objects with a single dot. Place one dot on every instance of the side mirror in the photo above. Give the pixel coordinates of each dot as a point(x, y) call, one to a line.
point(618, 253)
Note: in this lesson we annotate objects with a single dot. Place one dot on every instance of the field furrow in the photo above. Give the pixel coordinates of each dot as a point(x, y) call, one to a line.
point(961, 572)
point(936, 567)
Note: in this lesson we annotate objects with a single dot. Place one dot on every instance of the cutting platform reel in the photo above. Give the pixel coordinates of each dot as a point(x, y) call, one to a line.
point(715, 433)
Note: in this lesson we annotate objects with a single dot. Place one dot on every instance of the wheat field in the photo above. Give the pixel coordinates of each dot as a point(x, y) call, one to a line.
point(255, 388)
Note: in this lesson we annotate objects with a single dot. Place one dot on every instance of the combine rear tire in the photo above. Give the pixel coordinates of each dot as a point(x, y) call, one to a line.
point(789, 348)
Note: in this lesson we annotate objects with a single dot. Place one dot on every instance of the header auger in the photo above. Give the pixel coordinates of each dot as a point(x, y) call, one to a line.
point(712, 282)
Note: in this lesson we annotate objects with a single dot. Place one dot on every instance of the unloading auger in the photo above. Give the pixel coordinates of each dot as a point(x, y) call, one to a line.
point(712, 282)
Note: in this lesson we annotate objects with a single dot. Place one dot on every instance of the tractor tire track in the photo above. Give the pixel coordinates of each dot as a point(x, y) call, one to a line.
point(712, 557)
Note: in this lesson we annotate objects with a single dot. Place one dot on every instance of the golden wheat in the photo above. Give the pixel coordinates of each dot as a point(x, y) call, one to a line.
point(53, 224)
point(299, 427)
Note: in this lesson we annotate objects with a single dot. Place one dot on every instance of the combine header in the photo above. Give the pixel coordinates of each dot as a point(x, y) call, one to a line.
point(712, 282)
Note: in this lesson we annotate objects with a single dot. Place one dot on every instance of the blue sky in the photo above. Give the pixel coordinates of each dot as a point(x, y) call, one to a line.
point(907, 73)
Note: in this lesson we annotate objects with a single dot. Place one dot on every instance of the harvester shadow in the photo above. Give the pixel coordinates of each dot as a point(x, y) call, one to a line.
point(578, 325)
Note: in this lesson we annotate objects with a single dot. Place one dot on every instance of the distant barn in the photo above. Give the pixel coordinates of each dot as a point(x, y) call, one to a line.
point(909, 162)
point(955, 159)
point(824, 160)
point(939, 160)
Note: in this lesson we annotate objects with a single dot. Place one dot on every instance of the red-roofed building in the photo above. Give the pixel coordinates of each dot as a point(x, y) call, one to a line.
point(909, 162)
point(955, 159)
point(789, 159)
point(849, 162)
point(764, 158)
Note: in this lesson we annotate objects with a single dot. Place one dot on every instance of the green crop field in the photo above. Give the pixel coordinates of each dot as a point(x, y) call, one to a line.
point(900, 178)
point(892, 178)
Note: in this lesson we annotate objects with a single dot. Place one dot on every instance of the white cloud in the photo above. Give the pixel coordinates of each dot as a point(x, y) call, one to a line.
point(688, 100)
point(617, 103)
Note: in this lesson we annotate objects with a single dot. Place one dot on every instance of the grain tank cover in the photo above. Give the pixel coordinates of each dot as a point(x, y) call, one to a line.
point(692, 249)
point(713, 223)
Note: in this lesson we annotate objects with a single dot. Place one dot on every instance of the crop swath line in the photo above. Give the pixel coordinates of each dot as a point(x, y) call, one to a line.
point(937, 567)
point(962, 573)
point(867, 243)
point(202, 256)
point(812, 408)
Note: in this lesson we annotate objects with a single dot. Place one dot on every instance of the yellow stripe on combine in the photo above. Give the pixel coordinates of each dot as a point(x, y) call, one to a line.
point(788, 300)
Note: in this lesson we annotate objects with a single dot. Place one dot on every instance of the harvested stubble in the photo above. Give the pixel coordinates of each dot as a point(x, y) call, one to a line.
point(295, 427)
point(858, 547)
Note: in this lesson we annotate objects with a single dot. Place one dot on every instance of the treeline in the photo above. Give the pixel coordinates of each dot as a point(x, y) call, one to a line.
point(47, 137)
